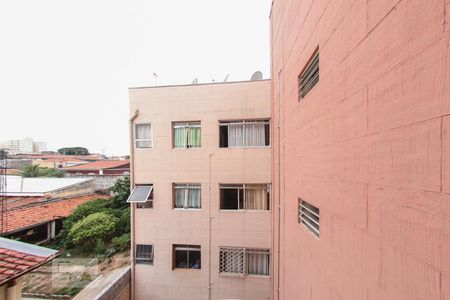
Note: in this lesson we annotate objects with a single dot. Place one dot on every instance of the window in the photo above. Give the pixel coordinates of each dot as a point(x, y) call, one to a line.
point(309, 77)
point(244, 134)
point(143, 136)
point(187, 135)
point(245, 196)
point(144, 254)
point(142, 195)
point(187, 195)
point(309, 216)
point(244, 261)
point(186, 257)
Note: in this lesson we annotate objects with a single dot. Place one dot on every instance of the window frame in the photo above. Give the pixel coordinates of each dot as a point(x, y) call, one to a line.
point(245, 251)
point(187, 124)
point(187, 247)
point(187, 187)
point(150, 198)
point(226, 123)
point(136, 140)
point(243, 187)
point(144, 260)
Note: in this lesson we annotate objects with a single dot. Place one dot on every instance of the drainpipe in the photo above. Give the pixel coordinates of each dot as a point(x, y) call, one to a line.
point(209, 229)
point(133, 117)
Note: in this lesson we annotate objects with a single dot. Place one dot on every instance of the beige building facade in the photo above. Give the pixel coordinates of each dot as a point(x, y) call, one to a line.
point(201, 209)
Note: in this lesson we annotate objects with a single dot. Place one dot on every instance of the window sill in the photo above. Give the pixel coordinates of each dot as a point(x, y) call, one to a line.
point(143, 149)
point(245, 147)
point(188, 209)
point(185, 270)
point(245, 210)
point(242, 276)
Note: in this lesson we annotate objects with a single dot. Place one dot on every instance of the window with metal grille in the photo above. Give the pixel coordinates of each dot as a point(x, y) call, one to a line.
point(245, 197)
point(186, 257)
point(309, 77)
point(144, 254)
point(242, 261)
point(309, 216)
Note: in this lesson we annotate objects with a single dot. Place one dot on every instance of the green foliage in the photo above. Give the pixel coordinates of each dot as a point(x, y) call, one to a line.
point(122, 243)
point(73, 151)
point(120, 191)
point(38, 171)
point(96, 226)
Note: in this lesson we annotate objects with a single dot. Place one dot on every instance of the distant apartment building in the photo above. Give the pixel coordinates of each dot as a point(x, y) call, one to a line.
point(26, 145)
point(202, 200)
point(361, 149)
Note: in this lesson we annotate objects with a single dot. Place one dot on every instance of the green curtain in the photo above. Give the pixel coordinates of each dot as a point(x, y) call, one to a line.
point(195, 135)
point(180, 137)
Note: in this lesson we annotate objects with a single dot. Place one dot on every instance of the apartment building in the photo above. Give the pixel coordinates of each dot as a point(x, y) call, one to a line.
point(361, 148)
point(202, 200)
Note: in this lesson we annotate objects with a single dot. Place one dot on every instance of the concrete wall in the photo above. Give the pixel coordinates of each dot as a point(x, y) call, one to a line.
point(369, 146)
point(83, 188)
point(101, 182)
point(209, 165)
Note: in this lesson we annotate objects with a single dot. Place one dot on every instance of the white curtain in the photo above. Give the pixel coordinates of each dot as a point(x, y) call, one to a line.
point(256, 198)
point(194, 198)
point(257, 263)
point(143, 135)
point(179, 198)
point(254, 135)
point(235, 135)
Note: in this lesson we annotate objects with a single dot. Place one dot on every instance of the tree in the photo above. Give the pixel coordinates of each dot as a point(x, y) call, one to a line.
point(73, 151)
point(120, 191)
point(92, 229)
point(31, 171)
point(38, 171)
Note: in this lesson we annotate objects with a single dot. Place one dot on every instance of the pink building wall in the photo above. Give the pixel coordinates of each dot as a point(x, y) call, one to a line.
point(369, 146)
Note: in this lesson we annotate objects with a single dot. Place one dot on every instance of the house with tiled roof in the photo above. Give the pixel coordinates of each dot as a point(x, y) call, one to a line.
point(100, 167)
point(17, 259)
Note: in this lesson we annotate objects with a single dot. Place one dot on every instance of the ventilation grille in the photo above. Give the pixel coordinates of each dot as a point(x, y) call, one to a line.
point(309, 77)
point(309, 215)
point(232, 260)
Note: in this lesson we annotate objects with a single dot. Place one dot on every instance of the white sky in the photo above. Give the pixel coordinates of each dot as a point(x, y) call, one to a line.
point(65, 66)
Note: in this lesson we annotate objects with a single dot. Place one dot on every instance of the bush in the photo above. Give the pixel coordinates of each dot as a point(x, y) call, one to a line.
point(84, 210)
point(97, 226)
point(124, 226)
point(122, 242)
point(100, 247)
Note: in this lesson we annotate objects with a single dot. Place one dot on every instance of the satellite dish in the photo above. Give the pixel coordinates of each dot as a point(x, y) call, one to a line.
point(257, 76)
point(226, 78)
point(195, 81)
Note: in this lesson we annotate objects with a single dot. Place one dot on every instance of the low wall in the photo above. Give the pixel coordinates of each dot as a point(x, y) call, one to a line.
point(101, 182)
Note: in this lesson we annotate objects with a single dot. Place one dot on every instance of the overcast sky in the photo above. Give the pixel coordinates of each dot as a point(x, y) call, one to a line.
point(65, 66)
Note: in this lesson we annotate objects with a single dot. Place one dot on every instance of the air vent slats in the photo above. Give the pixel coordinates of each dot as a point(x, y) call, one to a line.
point(309, 215)
point(309, 77)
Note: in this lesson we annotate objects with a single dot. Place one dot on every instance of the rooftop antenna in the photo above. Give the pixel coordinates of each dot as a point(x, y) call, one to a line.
point(195, 81)
point(226, 78)
point(256, 76)
point(155, 76)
